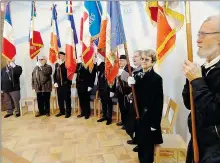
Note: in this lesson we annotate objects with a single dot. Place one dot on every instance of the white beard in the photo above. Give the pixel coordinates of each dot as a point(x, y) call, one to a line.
point(208, 52)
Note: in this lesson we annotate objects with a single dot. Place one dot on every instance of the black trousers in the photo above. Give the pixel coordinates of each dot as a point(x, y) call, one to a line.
point(122, 108)
point(43, 101)
point(107, 105)
point(64, 98)
point(146, 150)
point(84, 100)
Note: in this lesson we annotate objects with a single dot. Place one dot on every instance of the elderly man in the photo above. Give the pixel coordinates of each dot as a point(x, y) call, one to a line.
point(10, 85)
point(63, 85)
point(42, 84)
point(205, 83)
point(130, 120)
point(122, 88)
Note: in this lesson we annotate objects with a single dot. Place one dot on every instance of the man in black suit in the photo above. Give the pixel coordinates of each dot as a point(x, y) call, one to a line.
point(84, 84)
point(63, 85)
point(123, 90)
point(105, 93)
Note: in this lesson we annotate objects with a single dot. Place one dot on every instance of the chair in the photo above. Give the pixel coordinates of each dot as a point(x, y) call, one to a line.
point(53, 100)
point(115, 102)
point(167, 125)
point(172, 143)
point(94, 97)
point(25, 101)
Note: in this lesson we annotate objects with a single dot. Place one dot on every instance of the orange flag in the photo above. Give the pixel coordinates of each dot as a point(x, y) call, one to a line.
point(169, 19)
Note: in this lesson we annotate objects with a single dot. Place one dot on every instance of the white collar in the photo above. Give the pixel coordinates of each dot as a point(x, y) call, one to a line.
point(213, 62)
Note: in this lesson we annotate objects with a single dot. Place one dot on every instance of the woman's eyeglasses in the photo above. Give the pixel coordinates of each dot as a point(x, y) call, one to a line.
point(145, 59)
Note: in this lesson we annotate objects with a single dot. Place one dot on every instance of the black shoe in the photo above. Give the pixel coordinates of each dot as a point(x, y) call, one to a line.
point(67, 115)
point(38, 115)
point(87, 117)
point(109, 121)
point(131, 142)
point(102, 119)
point(17, 115)
point(47, 114)
point(123, 128)
point(8, 115)
point(135, 149)
point(79, 116)
point(119, 124)
point(60, 114)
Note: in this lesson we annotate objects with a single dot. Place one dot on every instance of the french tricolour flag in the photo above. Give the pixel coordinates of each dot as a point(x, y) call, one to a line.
point(71, 41)
point(8, 47)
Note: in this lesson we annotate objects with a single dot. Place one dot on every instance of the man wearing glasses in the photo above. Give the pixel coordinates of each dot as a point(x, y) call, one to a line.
point(205, 81)
point(42, 84)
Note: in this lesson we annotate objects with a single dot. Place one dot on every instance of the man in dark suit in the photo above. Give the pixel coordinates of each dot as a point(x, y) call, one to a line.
point(63, 85)
point(105, 93)
point(10, 85)
point(123, 90)
point(84, 84)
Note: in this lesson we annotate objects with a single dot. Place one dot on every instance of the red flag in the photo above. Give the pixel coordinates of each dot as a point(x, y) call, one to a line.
point(35, 39)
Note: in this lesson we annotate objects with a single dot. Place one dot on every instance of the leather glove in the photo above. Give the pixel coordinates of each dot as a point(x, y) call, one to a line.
point(111, 94)
point(55, 85)
point(131, 80)
point(89, 89)
point(12, 64)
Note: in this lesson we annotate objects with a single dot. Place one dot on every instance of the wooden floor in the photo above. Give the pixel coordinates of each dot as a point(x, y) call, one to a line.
point(60, 140)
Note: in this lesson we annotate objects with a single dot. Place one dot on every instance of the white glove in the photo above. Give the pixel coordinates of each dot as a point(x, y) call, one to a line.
point(55, 85)
point(152, 129)
point(89, 89)
point(59, 61)
point(131, 80)
point(99, 60)
point(12, 64)
point(120, 71)
point(111, 94)
point(39, 64)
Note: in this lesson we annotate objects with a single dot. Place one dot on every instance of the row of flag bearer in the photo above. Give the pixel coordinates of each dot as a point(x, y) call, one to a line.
point(139, 90)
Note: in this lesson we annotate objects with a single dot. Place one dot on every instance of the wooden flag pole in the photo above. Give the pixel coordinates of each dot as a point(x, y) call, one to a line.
point(132, 87)
point(190, 58)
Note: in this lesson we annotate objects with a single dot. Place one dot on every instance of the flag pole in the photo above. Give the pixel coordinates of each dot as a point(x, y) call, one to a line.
point(190, 58)
point(132, 86)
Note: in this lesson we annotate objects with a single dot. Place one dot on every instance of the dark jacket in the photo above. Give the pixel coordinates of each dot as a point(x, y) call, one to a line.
point(206, 97)
point(84, 78)
point(60, 75)
point(10, 78)
point(41, 78)
point(149, 95)
point(102, 82)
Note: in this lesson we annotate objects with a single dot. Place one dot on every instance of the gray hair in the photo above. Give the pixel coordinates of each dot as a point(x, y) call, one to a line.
point(150, 53)
point(216, 19)
point(139, 52)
